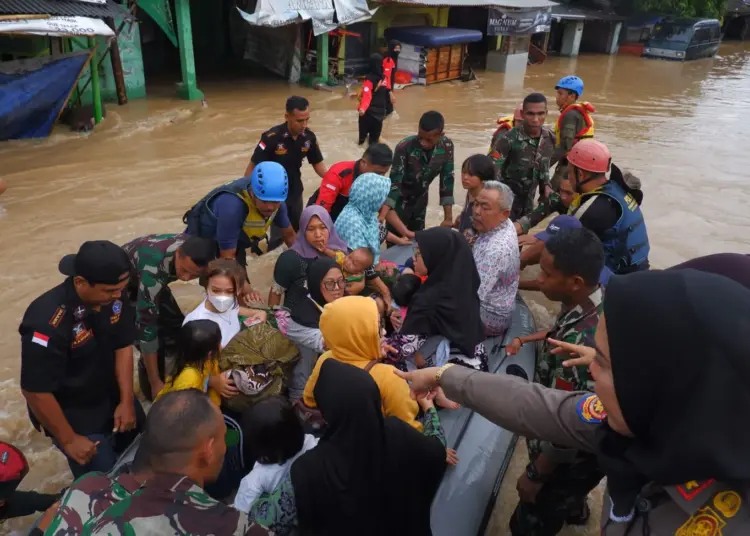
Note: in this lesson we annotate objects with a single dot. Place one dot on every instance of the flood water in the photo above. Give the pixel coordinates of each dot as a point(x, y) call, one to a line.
point(682, 128)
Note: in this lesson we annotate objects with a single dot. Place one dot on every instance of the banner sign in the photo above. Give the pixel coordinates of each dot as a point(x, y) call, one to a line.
point(57, 26)
point(525, 22)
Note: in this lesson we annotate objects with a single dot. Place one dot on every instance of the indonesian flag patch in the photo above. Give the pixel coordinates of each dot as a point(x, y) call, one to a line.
point(40, 339)
point(262, 145)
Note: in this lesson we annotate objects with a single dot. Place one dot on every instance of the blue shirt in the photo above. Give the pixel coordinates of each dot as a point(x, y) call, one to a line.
point(231, 212)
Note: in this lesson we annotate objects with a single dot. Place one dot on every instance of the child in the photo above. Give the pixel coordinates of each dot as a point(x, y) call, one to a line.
point(223, 285)
point(275, 438)
point(197, 360)
point(374, 102)
point(353, 265)
point(474, 172)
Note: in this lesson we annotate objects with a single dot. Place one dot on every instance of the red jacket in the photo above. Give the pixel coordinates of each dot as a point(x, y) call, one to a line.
point(389, 68)
point(333, 194)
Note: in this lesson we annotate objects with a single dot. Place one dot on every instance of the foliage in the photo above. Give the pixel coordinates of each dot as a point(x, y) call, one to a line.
point(683, 8)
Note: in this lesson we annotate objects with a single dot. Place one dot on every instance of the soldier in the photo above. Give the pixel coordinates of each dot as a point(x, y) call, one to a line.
point(182, 449)
point(417, 160)
point(574, 123)
point(77, 359)
point(155, 262)
point(558, 201)
point(672, 383)
point(522, 156)
point(556, 482)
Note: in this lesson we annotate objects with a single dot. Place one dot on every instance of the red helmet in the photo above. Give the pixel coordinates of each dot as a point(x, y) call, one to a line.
point(590, 155)
point(518, 113)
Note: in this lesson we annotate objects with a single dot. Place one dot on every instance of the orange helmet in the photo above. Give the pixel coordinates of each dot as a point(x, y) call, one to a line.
point(518, 113)
point(590, 155)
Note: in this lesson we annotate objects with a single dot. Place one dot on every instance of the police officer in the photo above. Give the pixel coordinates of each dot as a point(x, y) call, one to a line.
point(238, 214)
point(289, 144)
point(609, 207)
point(77, 359)
point(665, 419)
point(333, 194)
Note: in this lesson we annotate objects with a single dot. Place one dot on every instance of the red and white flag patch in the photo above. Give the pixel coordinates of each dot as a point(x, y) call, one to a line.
point(262, 145)
point(40, 339)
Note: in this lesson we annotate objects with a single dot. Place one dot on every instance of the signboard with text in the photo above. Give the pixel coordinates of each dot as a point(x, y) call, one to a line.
point(524, 22)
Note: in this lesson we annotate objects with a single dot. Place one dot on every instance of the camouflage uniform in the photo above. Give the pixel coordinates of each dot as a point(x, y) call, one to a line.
point(546, 206)
point(164, 504)
point(563, 495)
point(158, 317)
point(413, 171)
point(523, 164)
point(572, 124)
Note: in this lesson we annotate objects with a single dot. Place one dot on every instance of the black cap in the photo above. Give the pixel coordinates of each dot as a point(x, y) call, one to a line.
point(98, 262)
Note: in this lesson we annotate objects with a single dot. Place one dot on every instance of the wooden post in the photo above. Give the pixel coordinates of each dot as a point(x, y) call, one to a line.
point(114, 54)
point(96, 93)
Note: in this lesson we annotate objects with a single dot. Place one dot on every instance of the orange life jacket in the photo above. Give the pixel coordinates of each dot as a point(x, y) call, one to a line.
point(585, 109)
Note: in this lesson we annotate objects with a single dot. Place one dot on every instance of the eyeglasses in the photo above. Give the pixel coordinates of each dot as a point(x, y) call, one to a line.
point(333, 285)
point(355, 278)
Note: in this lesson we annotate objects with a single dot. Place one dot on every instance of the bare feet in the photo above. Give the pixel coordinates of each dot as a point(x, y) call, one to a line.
point(443, 401)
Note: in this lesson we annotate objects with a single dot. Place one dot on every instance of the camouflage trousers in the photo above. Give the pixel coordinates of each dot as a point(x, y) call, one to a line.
point(413, 212)
point(562, 497)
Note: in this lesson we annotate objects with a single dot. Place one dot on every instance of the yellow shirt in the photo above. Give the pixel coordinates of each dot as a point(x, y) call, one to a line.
point(192, 378)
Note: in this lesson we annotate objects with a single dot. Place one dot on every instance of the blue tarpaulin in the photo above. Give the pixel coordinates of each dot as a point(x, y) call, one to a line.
point(33, 92)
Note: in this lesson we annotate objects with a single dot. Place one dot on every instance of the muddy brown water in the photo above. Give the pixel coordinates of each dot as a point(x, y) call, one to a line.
point(681, 127)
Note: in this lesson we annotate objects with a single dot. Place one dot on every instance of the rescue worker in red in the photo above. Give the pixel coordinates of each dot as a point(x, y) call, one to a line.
point(390, 66)
point(507, 122)
point(372, 103)
point(574, 124)
point(333, 194)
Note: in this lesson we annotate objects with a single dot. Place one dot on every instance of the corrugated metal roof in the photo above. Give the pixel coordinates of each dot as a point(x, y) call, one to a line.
point(573, 13)
point(63, 8)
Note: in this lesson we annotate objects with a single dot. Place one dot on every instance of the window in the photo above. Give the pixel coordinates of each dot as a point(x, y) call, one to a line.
point(702, 35)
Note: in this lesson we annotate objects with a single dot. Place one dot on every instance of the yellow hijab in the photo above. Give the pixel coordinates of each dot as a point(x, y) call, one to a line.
point(351, 329)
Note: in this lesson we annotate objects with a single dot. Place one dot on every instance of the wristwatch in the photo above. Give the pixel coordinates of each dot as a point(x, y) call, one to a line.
point(440, 371)
point(533, 474)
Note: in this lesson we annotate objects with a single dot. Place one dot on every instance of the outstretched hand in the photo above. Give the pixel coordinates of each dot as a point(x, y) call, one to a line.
point(580, 356)
point(421, 381)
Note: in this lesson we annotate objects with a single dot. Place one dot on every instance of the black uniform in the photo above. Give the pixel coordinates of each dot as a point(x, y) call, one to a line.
point(277, 145)
point(68, 350)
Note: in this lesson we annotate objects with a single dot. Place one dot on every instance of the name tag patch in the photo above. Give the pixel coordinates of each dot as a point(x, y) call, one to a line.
point(57, 317)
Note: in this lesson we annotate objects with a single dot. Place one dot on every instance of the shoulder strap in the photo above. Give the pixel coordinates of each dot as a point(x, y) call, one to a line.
point(369, 365)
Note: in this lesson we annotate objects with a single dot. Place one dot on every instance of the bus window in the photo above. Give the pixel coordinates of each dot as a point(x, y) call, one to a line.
point(702, 35)
point(715, 33)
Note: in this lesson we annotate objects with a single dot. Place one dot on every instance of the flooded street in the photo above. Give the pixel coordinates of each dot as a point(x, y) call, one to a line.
point(682, 128)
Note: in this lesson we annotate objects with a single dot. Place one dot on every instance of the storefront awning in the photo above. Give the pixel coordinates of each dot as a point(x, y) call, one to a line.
point(514, 4)
point(64, 8)
point(560, 13)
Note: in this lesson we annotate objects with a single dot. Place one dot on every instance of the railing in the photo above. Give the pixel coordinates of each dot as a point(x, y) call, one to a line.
point(536, 54)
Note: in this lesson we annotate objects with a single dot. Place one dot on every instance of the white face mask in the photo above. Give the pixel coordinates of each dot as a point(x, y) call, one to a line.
point(221, 303)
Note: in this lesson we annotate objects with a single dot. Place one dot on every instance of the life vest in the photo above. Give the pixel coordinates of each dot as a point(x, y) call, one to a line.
point(202, 221)
point(585, 109)
point(504, 124)
point(626, 244)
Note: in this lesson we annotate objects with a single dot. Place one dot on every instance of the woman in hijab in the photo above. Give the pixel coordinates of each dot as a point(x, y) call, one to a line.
point(390, 66)
point(317, 233)
point(372, 104)
point(667, 421)
point(351, 329)
point(367, 476)
point(447, 304)
point(325, 283)
point(358, 223)
point(735, 266)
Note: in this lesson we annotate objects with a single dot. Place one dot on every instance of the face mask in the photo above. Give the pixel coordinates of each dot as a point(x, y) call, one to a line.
point(221, 303)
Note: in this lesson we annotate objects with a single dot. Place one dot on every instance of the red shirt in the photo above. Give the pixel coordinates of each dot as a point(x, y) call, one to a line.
point(388, 67)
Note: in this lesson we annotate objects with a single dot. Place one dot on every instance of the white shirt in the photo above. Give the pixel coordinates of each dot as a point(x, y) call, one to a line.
point(228, 321)
point(264, 478)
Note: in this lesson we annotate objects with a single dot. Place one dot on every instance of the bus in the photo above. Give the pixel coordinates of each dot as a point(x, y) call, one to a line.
point(684, 39)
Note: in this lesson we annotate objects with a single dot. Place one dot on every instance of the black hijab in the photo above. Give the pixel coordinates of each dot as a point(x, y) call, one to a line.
point(392, 44)
point(367, 476)
point(735, 266)
point(376, 70)
point(681, 368)
point(305, 312)
point(447, 303)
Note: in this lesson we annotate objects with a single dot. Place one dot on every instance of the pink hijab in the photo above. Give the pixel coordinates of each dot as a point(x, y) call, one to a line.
point(303, 248)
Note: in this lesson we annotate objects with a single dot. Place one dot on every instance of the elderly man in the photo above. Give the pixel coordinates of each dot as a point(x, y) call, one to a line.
point(182, 449)
point(496, 256)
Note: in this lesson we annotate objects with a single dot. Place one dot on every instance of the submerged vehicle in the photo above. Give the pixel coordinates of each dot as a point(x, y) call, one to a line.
point(684, 39)
point(467, 494)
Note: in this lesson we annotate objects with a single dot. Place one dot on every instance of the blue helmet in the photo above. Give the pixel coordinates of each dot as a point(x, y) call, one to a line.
point(571, 83)
point(270, 182)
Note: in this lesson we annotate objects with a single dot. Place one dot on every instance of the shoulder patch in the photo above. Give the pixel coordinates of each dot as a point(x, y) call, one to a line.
point(590, 409)
point(690, 490)
point(57, 317)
